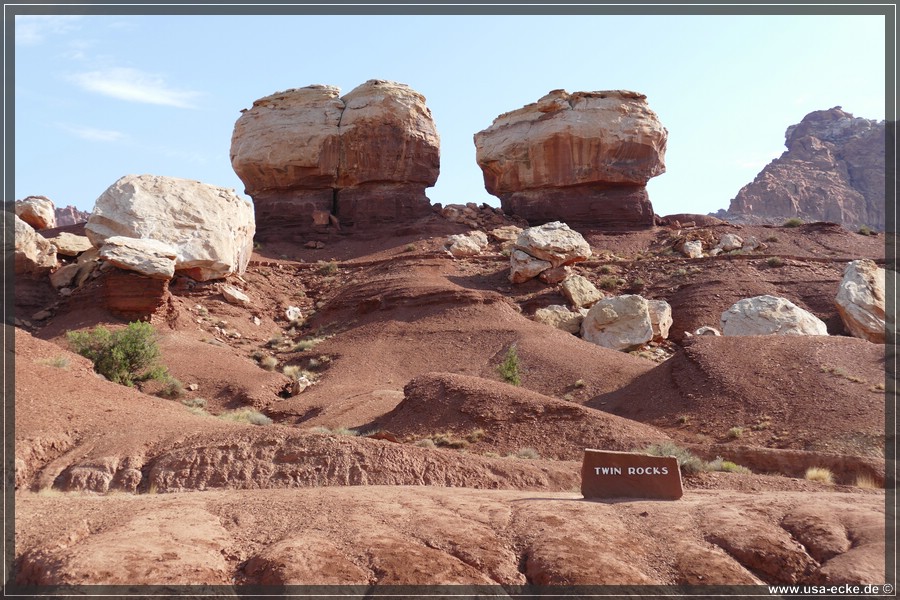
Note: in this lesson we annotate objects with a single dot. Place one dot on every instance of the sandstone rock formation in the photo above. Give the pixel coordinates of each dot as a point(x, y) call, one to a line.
point(580, 291)
point(144, 256)
point(70, 215)
point(660, 318)
point(37, 211)
point(584, 158)
point(69, 244)
point(770, 315)
point(561, 317)
point(833, 170)
point(308, 156)
point(467, 244)
point(34, 254)
point(620, 323)
point(210, 227)
point(860, 300)
point(547, 246)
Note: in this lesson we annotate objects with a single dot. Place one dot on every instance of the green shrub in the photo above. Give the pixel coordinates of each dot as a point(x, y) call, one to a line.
point(793, 222)
point(268, 363)
point(60, 362)
point(327, 268)
point(688, 463)
point(735, 432)
point(866, 230)
point(124, 356)
point(608, 283)
point(173, 388)
point(775, 261)
point(509, 368)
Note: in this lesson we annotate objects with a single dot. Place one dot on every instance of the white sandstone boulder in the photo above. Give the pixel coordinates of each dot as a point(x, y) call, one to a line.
point(619, 322)
point(770, 315)
point(860, 300)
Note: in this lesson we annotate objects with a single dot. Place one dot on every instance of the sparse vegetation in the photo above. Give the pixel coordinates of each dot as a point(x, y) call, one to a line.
point(194, 402)
point(638, 284)
point(684, 419)
point(793, 222)
point(246, 415)
point(426, 443)
point(775, 261)
point(842, 373)
point(878, 387)
point(865, 230)
point(307, 344)
point(689, 463)
point(735, 432)
point(342, 430)
point(448, 440)
point(608, 283)
point(580, 383)
point(60, 362)
point(410, 248)
point(526, 454)
point(820, 474)
point(509, 368)
point(125, 356)
point(771, 239)
point(173, 388)
point(866, 481)
point(606, 270)
point(726, 466)
point(268, 363)
point(327, 268)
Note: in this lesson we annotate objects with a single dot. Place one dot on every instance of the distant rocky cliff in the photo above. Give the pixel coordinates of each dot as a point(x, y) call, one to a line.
point(833, 170)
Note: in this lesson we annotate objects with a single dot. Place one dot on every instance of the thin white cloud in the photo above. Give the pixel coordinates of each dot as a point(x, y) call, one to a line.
point(93, 134)
point(134, 85)
point(34, 29)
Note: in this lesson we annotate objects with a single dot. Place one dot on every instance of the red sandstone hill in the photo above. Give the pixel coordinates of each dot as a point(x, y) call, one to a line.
point(403, 338)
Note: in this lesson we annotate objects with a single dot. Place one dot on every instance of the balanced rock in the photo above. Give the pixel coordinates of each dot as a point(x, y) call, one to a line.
point(523, 266)
point(34, 254)
point(69, 244)
point(310, 158)
point(467, 244)
point(620, 323)
point(37, 211)
point(147, 257)
point(860, 300)
point(584, 158)
point(770, 315)
point(580, 291)
point(561, 317)
point(833, 170)
point(211, 228)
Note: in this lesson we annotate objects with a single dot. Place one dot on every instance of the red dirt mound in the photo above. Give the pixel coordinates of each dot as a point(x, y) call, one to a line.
point(506, 419)
point(800, 392)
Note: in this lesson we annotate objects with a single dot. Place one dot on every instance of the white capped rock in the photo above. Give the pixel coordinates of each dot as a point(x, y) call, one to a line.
point(693, 249)
point(560, 317)
point(729, 242)
point(580, 291)
point(462, 245)
point(523, 266)
point(292, 313)
point(660, 318)
point(210, 227)
point(860, 300)
point(151, 258)
point(69, 244)
point(770, 315)
point(235, 296)
point(34, 254)
point(619, 322)
point(554, 242)
point(37, 211)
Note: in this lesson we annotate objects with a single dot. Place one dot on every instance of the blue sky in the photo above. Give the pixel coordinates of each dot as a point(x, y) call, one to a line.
point(99, 97)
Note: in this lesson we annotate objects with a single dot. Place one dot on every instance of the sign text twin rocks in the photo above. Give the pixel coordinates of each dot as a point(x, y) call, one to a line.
point(629, 475)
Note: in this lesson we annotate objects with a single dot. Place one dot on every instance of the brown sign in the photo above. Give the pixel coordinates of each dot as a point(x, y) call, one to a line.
point(629, 475)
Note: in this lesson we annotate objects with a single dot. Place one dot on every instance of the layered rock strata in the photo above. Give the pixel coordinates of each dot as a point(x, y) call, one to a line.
point(833, 170)
point(310, 158)
point(583, 158)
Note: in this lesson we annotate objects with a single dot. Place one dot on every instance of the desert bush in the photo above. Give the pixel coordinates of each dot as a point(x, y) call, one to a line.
point(608, 283)
point(268, 363)
point(409, 248)
point(775, 261)
point(172, 388)
point(345, 431)
point(793, 222)
point(866, 481)
point(328, 268)
point(246, 415)
point(426, 443)
point(726, 466)
point(606, 270)
point(292, 371)
point(820, 474)
point(688, 463)
point(194, 402)
point(580, 383)
point(125, 356)
point(683, 419)
point(307, 344)
point(60, 362)
point(509, 368)
point(735, 432)
point(448, 440)
point(865, 230)
point(771, 238)
point(475, 435)
point(526, 454)
point(638, 284)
